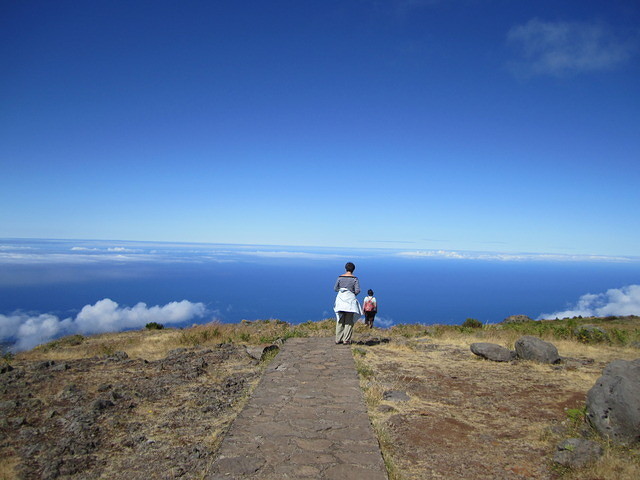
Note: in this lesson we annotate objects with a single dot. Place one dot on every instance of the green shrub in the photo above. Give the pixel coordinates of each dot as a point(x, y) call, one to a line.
point(154, 326)
point(619, 336)
point(6, 356)
point(472, 323)
point(365, 371)
point(591, 334)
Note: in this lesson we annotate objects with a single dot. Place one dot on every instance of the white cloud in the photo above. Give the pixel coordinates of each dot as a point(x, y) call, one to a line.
point(27, 331)
point(566, 48)
point(512, 257)
point(286, 254)
point(616, 301)
point(383, 322)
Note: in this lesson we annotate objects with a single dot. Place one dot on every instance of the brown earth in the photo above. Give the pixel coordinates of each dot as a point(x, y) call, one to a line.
point(469, 418)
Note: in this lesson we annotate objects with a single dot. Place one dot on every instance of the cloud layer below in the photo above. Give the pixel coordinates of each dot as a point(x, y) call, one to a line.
point(616, 301)
point(27, 331)
point(512, 257)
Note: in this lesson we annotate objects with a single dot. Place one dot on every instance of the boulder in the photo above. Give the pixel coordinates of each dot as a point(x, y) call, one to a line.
point(533, 348)
point(517, 319)
point(577, 452)
point(613, 403)
point(493, 352)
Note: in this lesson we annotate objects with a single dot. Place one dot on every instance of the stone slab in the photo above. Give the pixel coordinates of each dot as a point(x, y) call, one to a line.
point(306, 418)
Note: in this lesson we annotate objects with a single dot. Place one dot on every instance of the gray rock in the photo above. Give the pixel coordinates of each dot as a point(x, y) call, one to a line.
point(259, 353)
point(533, 348)
point(118, 356)
point(493, 352)
point(577, 452)
point(517, 319)
point(101, 404)
point(395, 396)
point(44, 365)
point(613, 403)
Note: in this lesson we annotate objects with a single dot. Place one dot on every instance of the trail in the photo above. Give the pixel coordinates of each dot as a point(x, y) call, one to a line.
point(306, 419)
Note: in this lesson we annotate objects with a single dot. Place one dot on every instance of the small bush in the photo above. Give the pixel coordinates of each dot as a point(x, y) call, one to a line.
point(591, 334)
point(619, 336)
point(472, 323)
point(154, 326)
point(365, 371)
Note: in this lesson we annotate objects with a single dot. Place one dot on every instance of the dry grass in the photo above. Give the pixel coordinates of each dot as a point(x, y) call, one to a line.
point(155, 344)
point(470, 418)
point(466, 417)
point(7, 467)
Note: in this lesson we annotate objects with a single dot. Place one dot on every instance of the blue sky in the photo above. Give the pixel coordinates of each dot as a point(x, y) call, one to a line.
point(504, 125)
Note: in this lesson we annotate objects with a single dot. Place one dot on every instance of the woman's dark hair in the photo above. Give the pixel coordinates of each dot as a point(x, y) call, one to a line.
point(349, 267)
point(370, 293)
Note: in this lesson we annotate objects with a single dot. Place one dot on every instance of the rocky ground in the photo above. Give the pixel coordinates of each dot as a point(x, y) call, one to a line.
point(438, 410)
point(120, 418)
point(443, 413)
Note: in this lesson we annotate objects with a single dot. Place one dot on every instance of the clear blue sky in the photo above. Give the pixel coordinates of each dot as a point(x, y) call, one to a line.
point(495, 125)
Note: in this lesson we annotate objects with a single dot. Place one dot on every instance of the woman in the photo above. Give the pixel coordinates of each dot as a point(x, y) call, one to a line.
point(370, 308)
point(346, 307)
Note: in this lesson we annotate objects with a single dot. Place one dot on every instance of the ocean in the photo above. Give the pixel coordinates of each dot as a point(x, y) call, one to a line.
point(53, 287)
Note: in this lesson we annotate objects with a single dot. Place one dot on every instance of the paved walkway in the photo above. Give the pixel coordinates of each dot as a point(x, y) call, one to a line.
point(306, 419)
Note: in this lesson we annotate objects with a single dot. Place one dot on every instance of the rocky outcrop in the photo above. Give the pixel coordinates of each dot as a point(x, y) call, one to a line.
point(613, 403)
point(517, 319)
point(577, 452)
point(537, 350)
point(493, 352)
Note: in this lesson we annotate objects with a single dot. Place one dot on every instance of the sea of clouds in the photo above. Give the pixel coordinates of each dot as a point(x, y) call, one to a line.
point(24, 331)
point(616, 301)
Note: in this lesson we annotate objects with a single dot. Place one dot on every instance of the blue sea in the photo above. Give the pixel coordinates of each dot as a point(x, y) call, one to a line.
point(67, 281)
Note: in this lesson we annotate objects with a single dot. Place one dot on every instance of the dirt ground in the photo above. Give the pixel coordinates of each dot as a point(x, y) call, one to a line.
point(117, 417)
point(469, 418)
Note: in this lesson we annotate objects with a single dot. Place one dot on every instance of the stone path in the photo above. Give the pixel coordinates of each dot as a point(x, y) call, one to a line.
point(306, 419)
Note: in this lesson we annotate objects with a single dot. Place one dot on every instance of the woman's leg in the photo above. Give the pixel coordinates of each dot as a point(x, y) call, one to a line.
point(339, 327)
point(368, 320)
point(348, 326)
